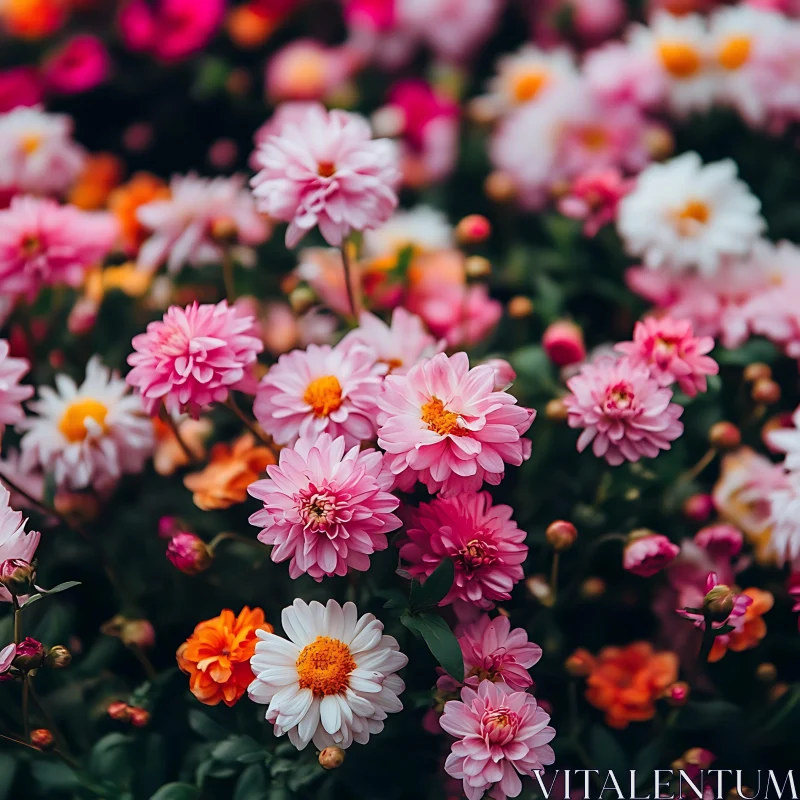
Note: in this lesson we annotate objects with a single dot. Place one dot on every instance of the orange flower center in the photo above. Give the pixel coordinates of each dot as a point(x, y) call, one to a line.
point(735, 52)
point(30, 245)
point(680, 59)
point(692, 217)
point(324, 666)
point(324, 395)
point(30, 143)
point(73, 422)
point(594, 137)
point(326, 168)
point(440, 420)
point(529, 84)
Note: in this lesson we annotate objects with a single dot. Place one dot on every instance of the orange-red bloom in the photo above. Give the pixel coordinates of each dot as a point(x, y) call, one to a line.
point(101, 174)
point(216, 657)
point(125, 201)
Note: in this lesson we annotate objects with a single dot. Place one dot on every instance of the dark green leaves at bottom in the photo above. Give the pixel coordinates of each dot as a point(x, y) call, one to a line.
point(440, 640)
point(177, 791)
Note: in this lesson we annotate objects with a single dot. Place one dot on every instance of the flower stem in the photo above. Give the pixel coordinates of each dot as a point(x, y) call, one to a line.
point(228, 277)
point(554, 577)
point(141, 657)
point(26, 687)
point(709, 634)
point(692, 473)
point(51, 725)
point(235, 537)
point(348, 280)
point(247, 422)
point(17, 620)
point(169, 421)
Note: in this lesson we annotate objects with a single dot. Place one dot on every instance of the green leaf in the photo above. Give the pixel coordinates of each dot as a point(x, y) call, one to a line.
point(605, 750)
point(204, 726)
point(707, 714)
point(429, 594)
point(252, 784)
point(177, 791)
point(750, 351)
point(440, 640)
point(8, 768)
point(62, 587)
point(237, 748)
point(110, 758)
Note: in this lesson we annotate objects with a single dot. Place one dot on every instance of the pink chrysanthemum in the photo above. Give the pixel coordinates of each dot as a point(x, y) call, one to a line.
point(484, 542)
point(11, 392)
point(623, 411)
point(43, 243)
point(320, 389)
point(194, 357)
point(501, 734)
point(326, 171)
point(672, 353)
point(594, 197)
point(647, 554)
point(326, 509)
point(444, 424)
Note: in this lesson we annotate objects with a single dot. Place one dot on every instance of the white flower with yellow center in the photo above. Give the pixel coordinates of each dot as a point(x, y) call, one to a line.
point(87, 435)
point(333, 681)
point(683, 214)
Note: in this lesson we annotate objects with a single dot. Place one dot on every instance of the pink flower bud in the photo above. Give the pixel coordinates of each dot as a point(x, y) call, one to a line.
point(169, 526)
point(30, 654)
point(473, 229)
point(504, 374)
point(647, 553)
point(677, 694)
point(563, 343)
point(138, 632)
point(721, 540)
point(17, 576)
point(189, 553)
point(698, 507)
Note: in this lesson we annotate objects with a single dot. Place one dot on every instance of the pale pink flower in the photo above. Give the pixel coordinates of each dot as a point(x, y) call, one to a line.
point(194, 357)
point(7, 655)
point(504, 374)
point(325, 509)
point(784, 519)
point(672, 353)
point(80, 65)
point(186, 226)
point(326, 171)
point(12, 393)
point(593, 197)
point(31, 482)
point(305, 69)
point(293, 112)
point(485, 544)
point(44, 244)
point(648, 554)
point(444, 424)
point(620, 74)
point(786, 440)
point(14, 541)
point(501, 734)
point(320, 389)
point(625, 414)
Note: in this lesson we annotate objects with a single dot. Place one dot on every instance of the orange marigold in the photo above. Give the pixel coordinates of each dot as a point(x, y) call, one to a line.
point(750, 629)
point(216, 657)
point(101, 174)
point(626, 681)
point(125, 200)
point(230, 471)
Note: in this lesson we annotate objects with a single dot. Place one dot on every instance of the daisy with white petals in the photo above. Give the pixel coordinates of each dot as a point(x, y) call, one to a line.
point(333, 681)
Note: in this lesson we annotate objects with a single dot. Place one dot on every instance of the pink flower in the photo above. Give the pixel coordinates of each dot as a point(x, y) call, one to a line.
point(305, 69)
point(292, 112)
point(672, 353)
point(19, 86)
point(593, 197)
point(7, 656)
point(647, 554)
point(11, 392)
point(188, 553)
point(501, 734)
point(14, 541)
point(483, 541)
point(325, 509)
point(721, 541)
point(320, 389)
point(740, 604)
point(44, 244)
point(622, 410)
point(80, 65)
point(194, 357)
point(199, 219)
point(563, 343)
point(326, 171)
point(444, 424)
point(504, 374)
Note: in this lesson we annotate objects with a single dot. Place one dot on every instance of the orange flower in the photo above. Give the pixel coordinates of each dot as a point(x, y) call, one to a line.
point(33, 19)
point(169, 454)
point(625, 682)
point(750, 631)
point(124, 202)
point(231, 470)
point(216, 657)
point(101, 174)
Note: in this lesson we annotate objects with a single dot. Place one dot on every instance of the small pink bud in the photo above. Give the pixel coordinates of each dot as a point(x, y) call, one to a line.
point(17, 576)
point(647, 553)
point(561, 535)
point(138, 632)
point(677, 694)
point(473, 229)
point(42, 738)
point(332, 757)
point(119, 711)
point(563, 343)
point(30, 655)
point(504, 374)
point(189, 553)
point(169, 526)
point(698, 507)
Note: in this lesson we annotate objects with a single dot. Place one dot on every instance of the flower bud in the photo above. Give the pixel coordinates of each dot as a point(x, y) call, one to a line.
point(677, 694)
point(189, 553)
point(563, 343)
point(698, 507)
point(757, 371)
point(30, 655)
point(42, 738)
point(766, 391)
point(561, 535)
point(556, 410)
point(138, 633)
point(520, 307)
point(659, 142)
point(718, 603)
point(579, 664)
point(119, 711)
point(592, 588)
point(224, 230)
point(500, 187)
point(539, 587)
point(778, 691)
point(725, 435)
point(766, 672)
point(139, 717)
point(332, 757)
point(17, 576)
point(473, 229)
point(647, 552)
point(58, 657)
point(301, 299)
point(477, 267)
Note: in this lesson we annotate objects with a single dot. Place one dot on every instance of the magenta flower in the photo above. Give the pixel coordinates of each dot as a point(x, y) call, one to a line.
point(672, 353)
point(720, 541)
point(486, 546)
point(188, 553)
point(43, 244)
point(325, 509)
point(19, 86)
point(326, 171)
point(444, 424)
point(593, 197)
point(12, 393)
point(501, 734)
point(623, 411)
point(194, 357)
point(80, 65)
point(320, 389)
point(648, 553)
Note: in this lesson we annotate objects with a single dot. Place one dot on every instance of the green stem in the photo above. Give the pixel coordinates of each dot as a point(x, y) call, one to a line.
point(247, 422)
point(229, 535)
point(709, 634)
point(695, 471)
point(169, 421)
point(51, 724)
point(554, 576)
point(26, 686)
point(17, 620)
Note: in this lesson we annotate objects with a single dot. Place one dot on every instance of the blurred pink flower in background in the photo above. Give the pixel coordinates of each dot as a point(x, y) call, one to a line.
point(12, 393)
point(306, 69)
point(593, 197)
point(78, 66)
point(591, 20)
point(648, 553)
point(20, 86)
point(15, 542)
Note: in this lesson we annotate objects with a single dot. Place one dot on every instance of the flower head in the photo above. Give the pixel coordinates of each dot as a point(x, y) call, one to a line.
point(217, 655)
point(80, 65)
point(784, 521)
point(333, 681)
point(12, 393)
point(594, 197)
point(647, 553)
point(189, 553)
point(326, 509)
point(15, 543)
point(194, 357)
point(749, 628)
point(126, 200)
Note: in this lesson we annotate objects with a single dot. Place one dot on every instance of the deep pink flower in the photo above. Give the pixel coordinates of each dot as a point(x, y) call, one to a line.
point(194, 357)
point(563, 343)
point(80, 65)
point(19, 86)
point(483, 541)
point(593, 197)
point(444, 424)
point(44, 244)
point(623, 411)
point(188, 553)
point(325, 508)
point(326, 171)
point(721, 541)
point(320, 389)
point(501, 734)
point(647, 554)
point(672, 353)
point(11, 392)
point(29, 655)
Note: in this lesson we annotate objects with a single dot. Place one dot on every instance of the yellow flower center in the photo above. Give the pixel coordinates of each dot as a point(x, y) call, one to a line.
point(680, 59)
point(326, 168)
point(30, 143)
point(73, 423)
point(691, 217)
point(324, 666)
point(734, 52)
point(440, 420)
point(529, 84)
point(324, 395)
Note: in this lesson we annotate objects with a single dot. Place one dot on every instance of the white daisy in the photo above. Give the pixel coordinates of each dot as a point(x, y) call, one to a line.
point(333, 681)
point(684, 214)
point(787, 440)
point(784, 540)
point(87, 435)
point(422, 228)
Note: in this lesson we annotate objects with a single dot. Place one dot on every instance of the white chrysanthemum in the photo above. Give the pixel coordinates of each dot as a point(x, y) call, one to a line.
point(422, 228)
point(684, 214)
point(88, 435)
point(14, 541)
point(784, 540)
point(333, 681)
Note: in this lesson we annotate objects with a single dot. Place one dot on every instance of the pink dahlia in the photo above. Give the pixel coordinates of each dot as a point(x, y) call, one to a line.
point(194, 357)
point(485, 544)
point(326, 171)
point(320, 389)
point(501, 734)
point(648, 553)
point(11, 392)
point(43, 243)
point(444, 424)
point(672, 353)
point(325, 508)
point(622, 410)
point(593, 197)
